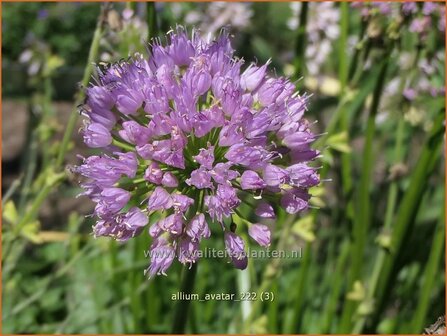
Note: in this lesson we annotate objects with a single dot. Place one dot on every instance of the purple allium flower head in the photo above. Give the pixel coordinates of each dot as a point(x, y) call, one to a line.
point(186, 136)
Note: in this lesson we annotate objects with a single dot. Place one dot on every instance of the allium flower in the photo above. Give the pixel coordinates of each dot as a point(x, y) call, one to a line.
point(187, 135)
point(421, 20)
point(209, 17)
point(384, 8)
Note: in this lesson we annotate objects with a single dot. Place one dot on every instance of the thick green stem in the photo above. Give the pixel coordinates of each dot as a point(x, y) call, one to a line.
point(181, 310)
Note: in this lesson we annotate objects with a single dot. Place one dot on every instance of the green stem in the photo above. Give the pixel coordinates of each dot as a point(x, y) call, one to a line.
point(11, 190)
point(30, 164)
point(346, 168)
point(188, 278)
point(362, 217)
point(181, 311)
point(47, 112)
point(244, 284)
point(151, 20)
point(389, 215)
point(343, 59)
point(41, 196)
point(271, 272)
point(391, 205)
point(430, 274)
point(301, 41)
point(336, 286)
point(300, 288)
point(347, 107)
point(354, 63)
point(122, 145)
point(92, 56)
point(408, 209)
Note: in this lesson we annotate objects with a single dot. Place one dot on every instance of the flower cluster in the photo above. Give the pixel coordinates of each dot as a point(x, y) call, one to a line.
point(209, 17)
point(186, 136)
point(322, 31)
point(417, 77)
point(422, 16)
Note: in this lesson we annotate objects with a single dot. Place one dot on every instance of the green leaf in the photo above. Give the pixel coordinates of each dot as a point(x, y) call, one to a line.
point(366, 308)
point(10, 213)
point(357, 293)
point(31, 232)
point(339, 142)
point(304, 228)
point(384, 240)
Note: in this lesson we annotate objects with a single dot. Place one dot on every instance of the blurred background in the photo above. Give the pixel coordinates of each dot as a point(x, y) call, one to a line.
point(372, 246)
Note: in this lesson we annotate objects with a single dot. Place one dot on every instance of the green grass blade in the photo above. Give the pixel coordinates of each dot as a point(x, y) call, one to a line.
point(430, 273)
point(363, 206)
point(409, 208)
point(301, 38)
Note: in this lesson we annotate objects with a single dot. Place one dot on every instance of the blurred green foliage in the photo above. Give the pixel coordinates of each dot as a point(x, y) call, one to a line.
point(65, 27)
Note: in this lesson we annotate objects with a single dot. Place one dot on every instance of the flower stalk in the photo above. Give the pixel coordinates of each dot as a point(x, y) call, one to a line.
point(362, 220)
point(182, 308)
point(300, 46)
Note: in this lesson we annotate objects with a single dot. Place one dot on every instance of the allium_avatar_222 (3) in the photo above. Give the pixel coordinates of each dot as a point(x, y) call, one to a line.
point(187, 135)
